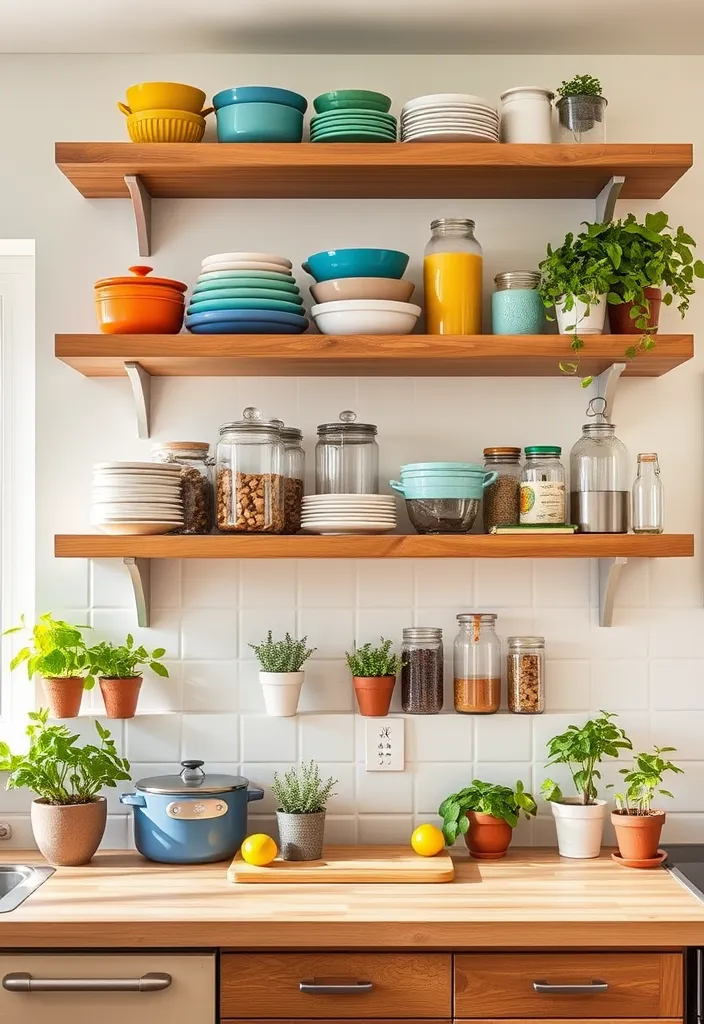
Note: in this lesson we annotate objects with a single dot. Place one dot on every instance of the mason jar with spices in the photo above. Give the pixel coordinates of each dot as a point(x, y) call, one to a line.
point(196, 481)
point(477, 664)
point(501, 503)
point(526, 675)
point(250, 475)
point(543, 486)
point(516, 306)
point(422, 673)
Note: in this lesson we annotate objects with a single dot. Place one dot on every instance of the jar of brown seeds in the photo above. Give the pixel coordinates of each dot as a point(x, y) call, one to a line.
point(250, 475)
point(501, 501)
point(526, 675)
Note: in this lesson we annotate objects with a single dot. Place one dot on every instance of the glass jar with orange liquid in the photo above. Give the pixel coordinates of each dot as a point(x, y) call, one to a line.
point(452, 278)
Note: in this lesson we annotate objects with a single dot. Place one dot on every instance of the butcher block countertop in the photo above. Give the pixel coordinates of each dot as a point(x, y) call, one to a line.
point(532, 899)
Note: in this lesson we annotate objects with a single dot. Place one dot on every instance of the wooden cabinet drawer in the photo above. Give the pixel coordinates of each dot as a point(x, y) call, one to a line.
point(505, 985)
point(406, 985)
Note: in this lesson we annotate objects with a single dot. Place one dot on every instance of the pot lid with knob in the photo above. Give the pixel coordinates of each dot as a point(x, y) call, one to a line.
point(192, 779)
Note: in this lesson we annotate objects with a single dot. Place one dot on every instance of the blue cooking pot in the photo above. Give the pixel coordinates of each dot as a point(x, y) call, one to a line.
point(191, 818)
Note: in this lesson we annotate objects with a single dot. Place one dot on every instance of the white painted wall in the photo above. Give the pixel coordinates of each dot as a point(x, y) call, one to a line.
point(648, 667)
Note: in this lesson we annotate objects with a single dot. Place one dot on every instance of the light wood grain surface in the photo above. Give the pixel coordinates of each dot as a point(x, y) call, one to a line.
point(348, 864)
point(530, 900)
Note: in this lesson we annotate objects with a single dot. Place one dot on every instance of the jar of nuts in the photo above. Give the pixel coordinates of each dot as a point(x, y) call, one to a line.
point(294, 477)
point(250, 475)
point(526, 675)
point(196, 481)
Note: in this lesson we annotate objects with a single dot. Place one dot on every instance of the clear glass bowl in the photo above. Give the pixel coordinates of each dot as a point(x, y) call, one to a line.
point(442, 515)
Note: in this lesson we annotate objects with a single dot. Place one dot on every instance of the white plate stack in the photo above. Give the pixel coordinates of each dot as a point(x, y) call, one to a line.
point(349, 513)
point(137, 498)
point(449, 117)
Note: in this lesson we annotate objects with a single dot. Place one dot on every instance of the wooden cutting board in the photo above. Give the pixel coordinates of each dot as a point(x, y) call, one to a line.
point(350, 864)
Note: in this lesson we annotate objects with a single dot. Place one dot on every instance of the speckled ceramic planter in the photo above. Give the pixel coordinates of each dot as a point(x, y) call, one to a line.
point(301, 835)
point(68, 835)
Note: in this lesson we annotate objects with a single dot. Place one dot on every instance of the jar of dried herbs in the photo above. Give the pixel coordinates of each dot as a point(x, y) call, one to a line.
point(502, 499)
point(422, 672)
point(196, 481)
point(526, 675)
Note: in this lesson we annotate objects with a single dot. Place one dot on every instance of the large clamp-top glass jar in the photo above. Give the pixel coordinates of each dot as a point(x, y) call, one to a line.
point(250, 468)
point(347, 457)
point(452, 278)
point(599, 476)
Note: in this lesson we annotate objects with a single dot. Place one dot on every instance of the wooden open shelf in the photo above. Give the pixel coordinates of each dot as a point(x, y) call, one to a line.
point(316, 355)
point(443, 170)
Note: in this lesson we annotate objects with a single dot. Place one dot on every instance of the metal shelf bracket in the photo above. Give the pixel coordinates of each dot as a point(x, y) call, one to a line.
point(142, 207)
point(141, 382)
point(610, 570)
point(140, 575)
point(606, 384)
point(606, 200)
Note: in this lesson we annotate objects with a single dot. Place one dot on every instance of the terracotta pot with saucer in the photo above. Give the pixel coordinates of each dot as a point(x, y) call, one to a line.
point(638, 837)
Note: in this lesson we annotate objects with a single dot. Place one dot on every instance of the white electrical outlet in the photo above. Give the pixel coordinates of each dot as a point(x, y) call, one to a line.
point(384, 744)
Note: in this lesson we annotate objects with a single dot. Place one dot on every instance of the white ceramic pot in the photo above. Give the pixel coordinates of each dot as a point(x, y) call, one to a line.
point(526, 114)
point(579, 827)
point(582, 318)
point(281, 692)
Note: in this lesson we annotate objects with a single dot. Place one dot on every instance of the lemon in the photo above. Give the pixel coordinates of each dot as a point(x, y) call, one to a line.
point(427, 840)
point(259, 850)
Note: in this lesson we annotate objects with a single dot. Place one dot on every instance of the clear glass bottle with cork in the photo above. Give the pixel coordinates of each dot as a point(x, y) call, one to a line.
point(648, 496)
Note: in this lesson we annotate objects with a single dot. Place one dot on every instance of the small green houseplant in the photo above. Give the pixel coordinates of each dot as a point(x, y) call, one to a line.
point(581, 110)
point(57, 652)
point(302, 797)
point(374, 671)
point(580, 819)
point(68, 813)
point(638, 826)
point(118, 669)
point(281, 675)
point(486, 815)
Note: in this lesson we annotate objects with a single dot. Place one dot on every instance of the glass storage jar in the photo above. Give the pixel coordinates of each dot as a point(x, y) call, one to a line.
point(477, 663)
point(250, 468)
point(599, 476)
point(516, 306)
point(196, 481)
point(452, 278)
point(526, 675)
point(648, 496)
point(501, 503)
point(543, 486)
point(294, 478)
point(422, 671)
point(347, 457)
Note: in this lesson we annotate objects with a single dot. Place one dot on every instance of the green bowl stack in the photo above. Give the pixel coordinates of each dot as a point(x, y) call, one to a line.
point(353, 115)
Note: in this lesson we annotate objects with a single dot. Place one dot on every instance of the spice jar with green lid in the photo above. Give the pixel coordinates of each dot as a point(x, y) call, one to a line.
point(543, 486)
point(501, 503)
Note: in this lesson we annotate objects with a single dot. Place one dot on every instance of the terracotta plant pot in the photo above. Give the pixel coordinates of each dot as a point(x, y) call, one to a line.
point(120, 696)
point(638, 835)
point(374, 694)
point(68, 835)
point(620, 316)
point(301, 835)
point(64, 696)
point(488, 838)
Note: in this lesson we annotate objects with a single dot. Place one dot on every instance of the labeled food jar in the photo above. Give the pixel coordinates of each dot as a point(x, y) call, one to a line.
point(599, 476)
point(477, 664)
point(294, 478)
point(422, 672)
point(250, 475)
point(452, 278)
point(502, 502)
point(543, 486)
point(516, 306)
point(526, 675)
point(526, 114)
point(196, 481)
point(139, 304)
point(347, 457)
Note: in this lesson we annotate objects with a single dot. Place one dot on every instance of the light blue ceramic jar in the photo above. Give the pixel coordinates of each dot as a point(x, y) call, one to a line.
point(516, 306)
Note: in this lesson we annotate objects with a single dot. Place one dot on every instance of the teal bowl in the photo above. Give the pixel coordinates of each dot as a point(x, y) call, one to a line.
point(259, 122)
point(444, 467)
point(336, 263)
point(221, 294)
point(341, 99)
point(246, 279)
point(444, 487)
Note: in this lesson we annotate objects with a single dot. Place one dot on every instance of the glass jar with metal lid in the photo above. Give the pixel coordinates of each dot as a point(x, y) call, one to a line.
point(250, 468)
point(599, 476)
point(477, 664)
point(543, 486)
point(526, 675)
point(453, 270)
point(196, 481)
point(294, 477)
point(422, 684)
point(501, 503)
point(516, 306)
point(347, 457)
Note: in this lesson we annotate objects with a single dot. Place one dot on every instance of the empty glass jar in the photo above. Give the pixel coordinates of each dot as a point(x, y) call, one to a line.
point(477, 663)
point(422, 672)
point(294, 478)
point(347, 457)
point(648, 496)
point(250, 468)
point(599, 476)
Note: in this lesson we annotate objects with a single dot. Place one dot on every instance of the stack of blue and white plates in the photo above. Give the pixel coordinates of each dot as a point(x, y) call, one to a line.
point(246, 293)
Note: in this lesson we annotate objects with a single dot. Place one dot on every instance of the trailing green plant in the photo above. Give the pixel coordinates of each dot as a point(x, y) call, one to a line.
point(57, 769)
point(287, 655)
point(644, 779)
point(56, 650)
point(367, 661)
point(582, 749)
point(124, 661)
point(301, 790)
point(580, 85)
point(486, 798)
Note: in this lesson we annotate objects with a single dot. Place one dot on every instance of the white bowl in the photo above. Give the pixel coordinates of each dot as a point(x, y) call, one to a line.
point(365, 316)
point(248, 257)
point(215, 268)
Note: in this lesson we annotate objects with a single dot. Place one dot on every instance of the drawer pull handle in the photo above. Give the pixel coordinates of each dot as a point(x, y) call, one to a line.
point(544, 988)
point(152, 982)
point(311, 987)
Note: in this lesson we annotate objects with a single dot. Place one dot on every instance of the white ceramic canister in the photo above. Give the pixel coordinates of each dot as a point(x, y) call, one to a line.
point(579, 827)
point(526, 114)
point(582, 318)
point(282, 691)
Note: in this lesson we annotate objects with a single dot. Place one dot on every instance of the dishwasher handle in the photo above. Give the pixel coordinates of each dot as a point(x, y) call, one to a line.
point(544, 988)
point(154, 981)
point(334, 987)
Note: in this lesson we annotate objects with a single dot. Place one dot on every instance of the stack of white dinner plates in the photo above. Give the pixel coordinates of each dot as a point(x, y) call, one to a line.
point(449, 117)
point(349, 513)
point(137, 498)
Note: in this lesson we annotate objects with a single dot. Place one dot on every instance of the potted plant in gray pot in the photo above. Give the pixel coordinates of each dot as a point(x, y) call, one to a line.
point(57, 652)
point(374, 671)
point(119, 677)
point(581, 110)
point(301, 797)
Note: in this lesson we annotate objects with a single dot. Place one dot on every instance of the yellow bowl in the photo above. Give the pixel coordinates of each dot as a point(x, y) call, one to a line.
point(165, 96)
point(165, 126)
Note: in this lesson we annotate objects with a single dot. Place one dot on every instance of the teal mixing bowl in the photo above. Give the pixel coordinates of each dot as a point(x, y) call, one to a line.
point(444, 487)
point(259, 122)
point(337, 263)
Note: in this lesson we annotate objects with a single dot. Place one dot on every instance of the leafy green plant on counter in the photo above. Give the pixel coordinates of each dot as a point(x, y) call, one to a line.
point(301, 790)
point(580, 85)
point(486, 798)
point(582, 749)
point(371, 662)
point(57, 769)
point(644, 779)
point(287, 655)
point(56, 650)
point(124, 661)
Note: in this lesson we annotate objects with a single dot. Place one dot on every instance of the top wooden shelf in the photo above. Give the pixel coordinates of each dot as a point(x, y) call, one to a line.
point(440, 170)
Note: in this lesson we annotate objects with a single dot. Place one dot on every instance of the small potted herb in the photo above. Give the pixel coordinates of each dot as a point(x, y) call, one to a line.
point(581, 110)
point(580, 819)
point(280, 672)
point(58, 653)
point(486, 815)
point(638, 826)
point(374, 671)
point(68, 814)
point(119, 678)
point(301, 797)
point(575, 279)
